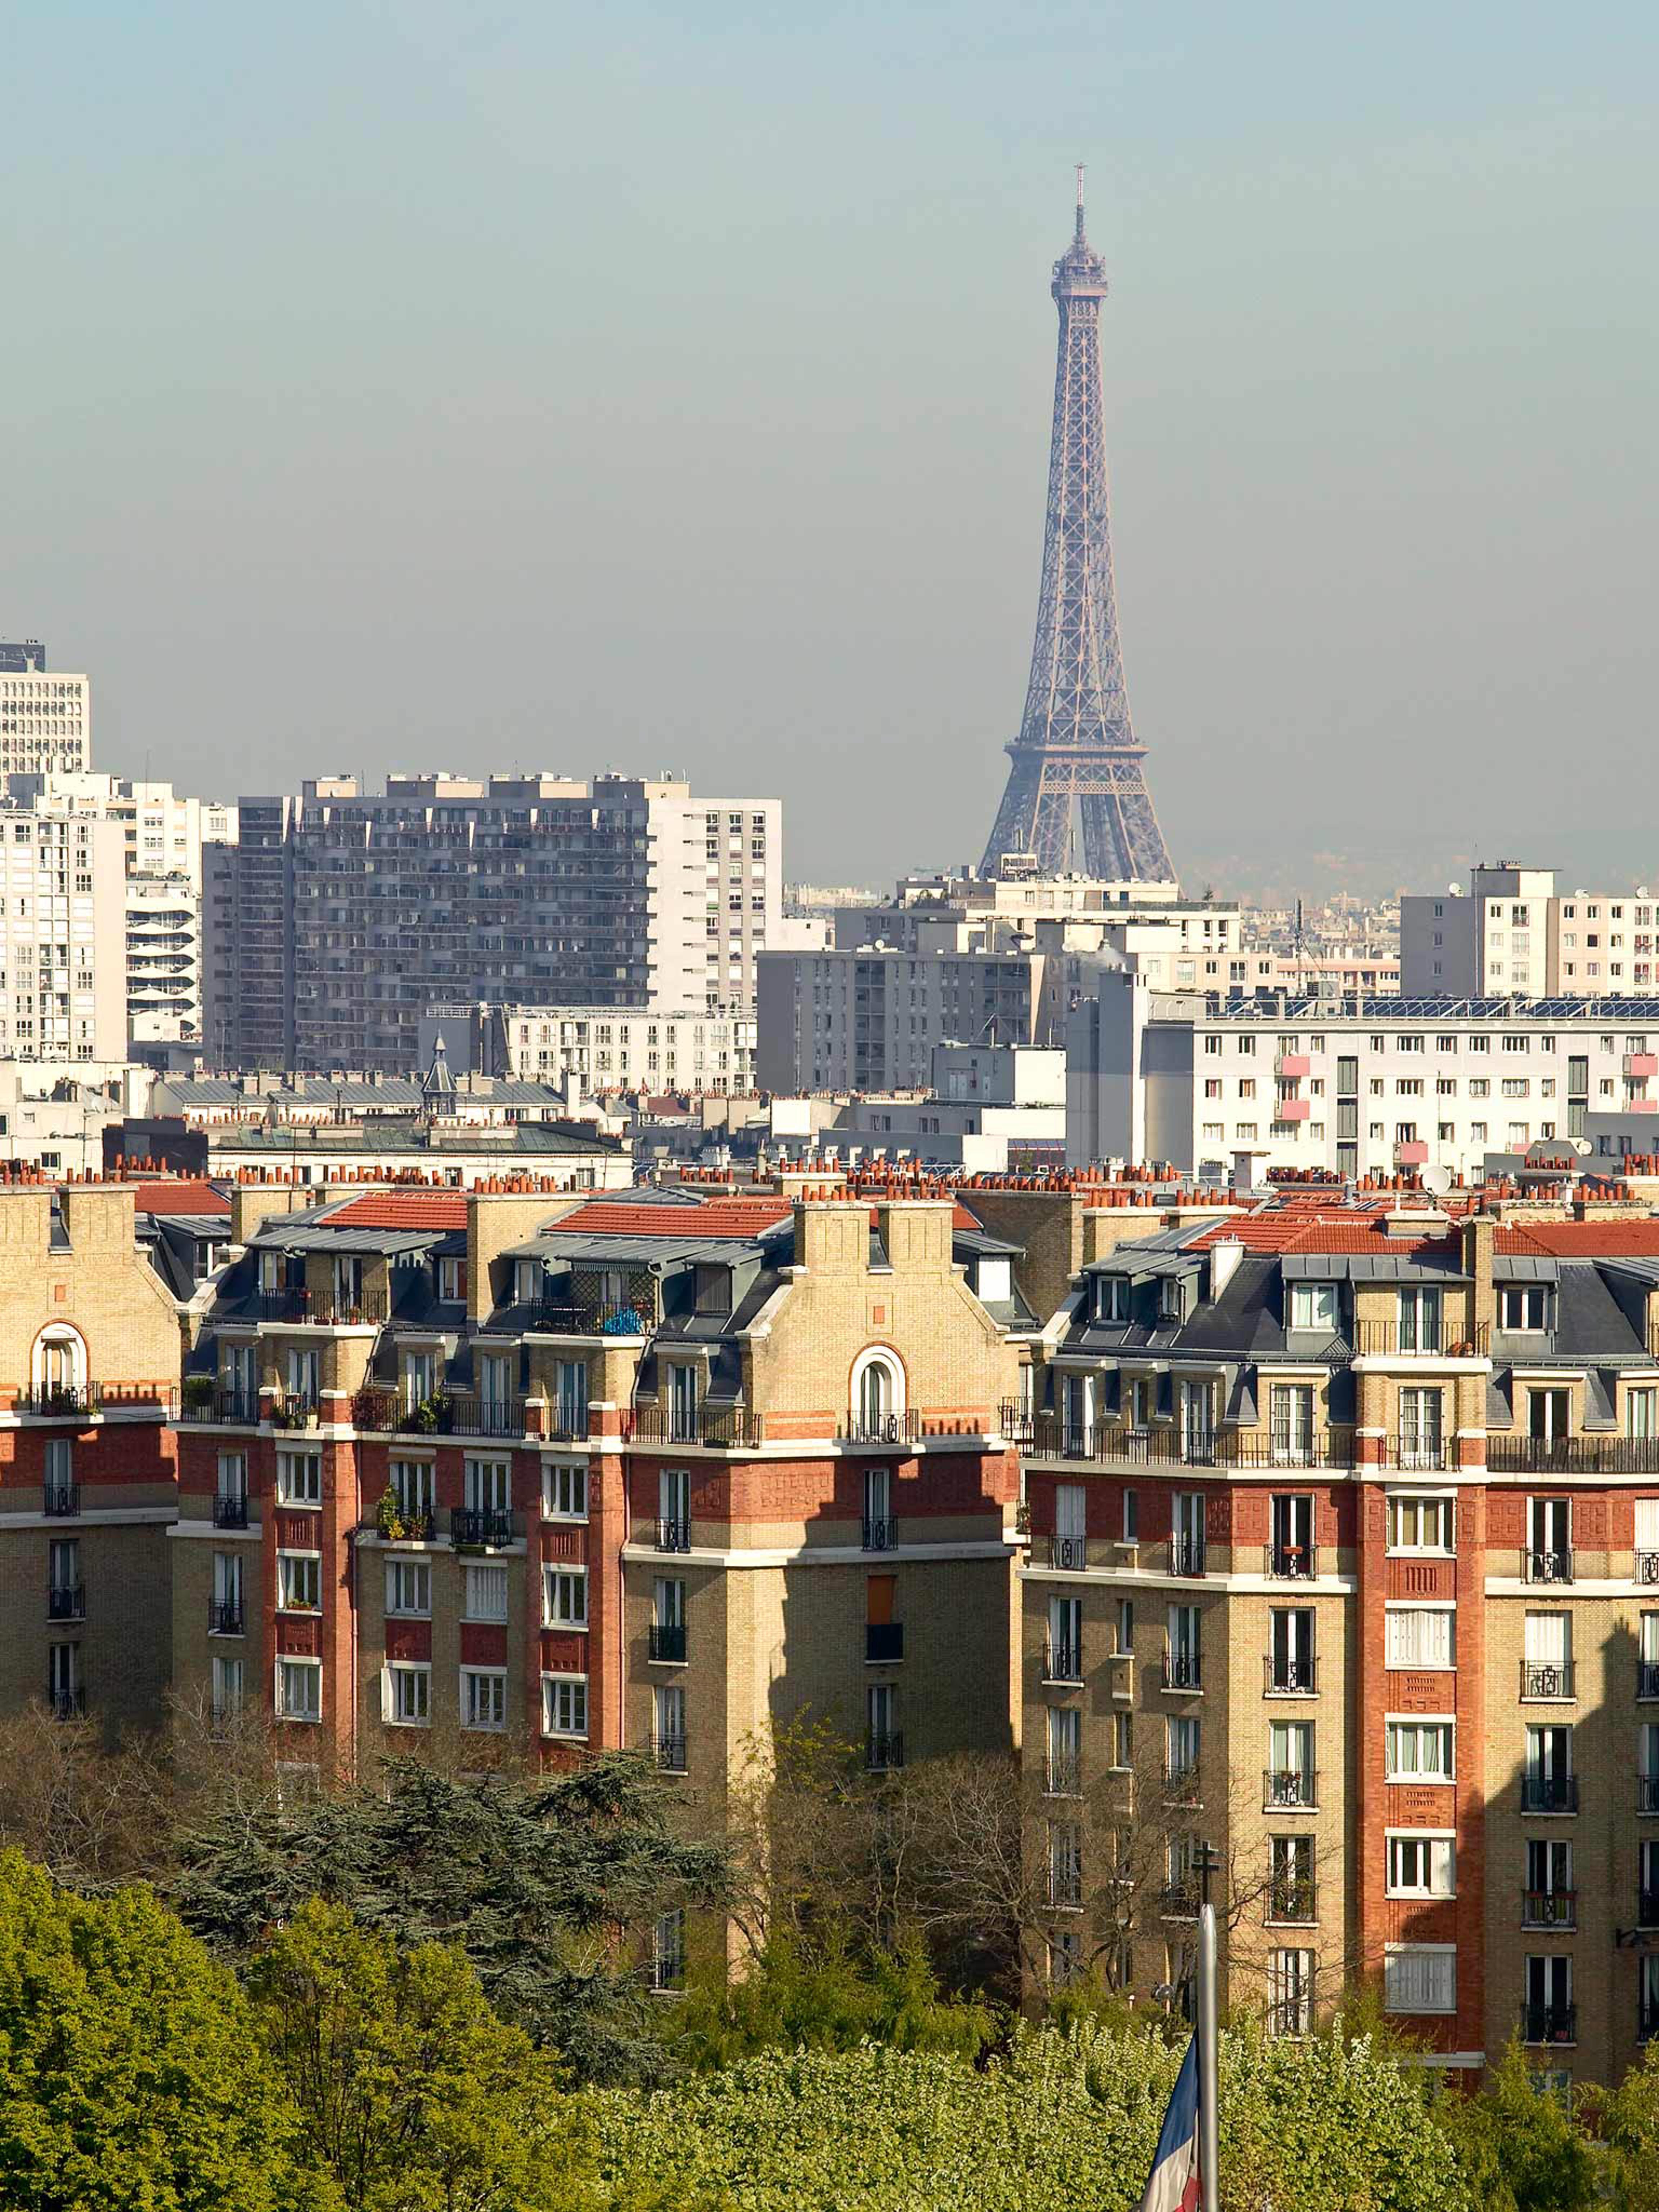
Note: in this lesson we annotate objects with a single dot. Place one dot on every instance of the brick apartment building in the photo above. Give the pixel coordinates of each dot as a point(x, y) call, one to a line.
point(1326, 1533)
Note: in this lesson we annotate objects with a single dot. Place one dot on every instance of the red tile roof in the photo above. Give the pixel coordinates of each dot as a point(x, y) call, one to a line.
point(403, 1209)
point(1303, 1228)
point(180, 1197)
point(1582, 1240)
point(719, 1216)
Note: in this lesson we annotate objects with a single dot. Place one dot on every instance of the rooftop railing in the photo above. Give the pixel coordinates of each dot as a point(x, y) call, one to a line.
point(1050, 1437)
point(1508, 1454)
point(702, 1424)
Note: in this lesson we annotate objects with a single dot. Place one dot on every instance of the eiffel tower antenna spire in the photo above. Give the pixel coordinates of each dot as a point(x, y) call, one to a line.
point(1075, 786)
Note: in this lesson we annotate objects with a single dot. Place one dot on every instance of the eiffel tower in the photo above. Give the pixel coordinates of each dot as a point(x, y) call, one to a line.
point(1076, 790)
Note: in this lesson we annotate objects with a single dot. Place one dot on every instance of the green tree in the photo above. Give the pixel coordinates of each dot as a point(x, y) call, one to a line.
point(414, 2096)
point(1629, 2122)
point(827, 1992)
point(130, 2073)
point(549, 1886)
point(1523, 2149)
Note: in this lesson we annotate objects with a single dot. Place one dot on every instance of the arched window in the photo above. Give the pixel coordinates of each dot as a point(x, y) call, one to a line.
point(877, 1395)
point(59, 1363)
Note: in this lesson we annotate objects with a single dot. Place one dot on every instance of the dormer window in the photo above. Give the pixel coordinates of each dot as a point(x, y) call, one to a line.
point(1169, 1302)
point(526, 1281)
point(1523, 1307)
point(452, 1279)
point(713, 1290)
point(1313, 1306)
point(1112, 1298)
point(270, 1271)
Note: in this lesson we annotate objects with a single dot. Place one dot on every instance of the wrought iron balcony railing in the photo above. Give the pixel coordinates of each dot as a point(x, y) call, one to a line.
point(1549, 2023)
point(710, 1425)
point(1184, 1670)
point(1062, 1662)
point(673, 1535)
point(1549, 1908)
point(230, 1509)
point(1545, 1563)
point(1290, 1789)
point(880, 1532)
point(1186, 1555)
point(669, 1752)
point(1290, 1563)
point(1294, 1900)
point(1549, 1793)
point(666, 1645)
point(1290, 1678)
point(1551, 1679)
point(883, 1751)
point(883, 1642)
point(61, 1500)
point(66, 1601)
point(225, 1618)
point(485, 1527)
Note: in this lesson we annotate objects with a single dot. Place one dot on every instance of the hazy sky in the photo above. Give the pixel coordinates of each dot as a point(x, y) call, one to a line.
point(393, 383)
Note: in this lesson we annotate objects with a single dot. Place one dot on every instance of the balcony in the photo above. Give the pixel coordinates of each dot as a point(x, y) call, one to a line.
point(1292, 1066)
point(883, 1642)
point(567, 1423)
point(1186, 1555)
point(444, 1413)
point(1293, 1901)
point(673, 1535)
point(230, 1509)
point(1545, 1566)
point(294, 1409)
point(711, 1426)
point(1065, 1778)
point(61, 1403)
point(61, 1501)
point(1513, 1455)
point(1647, 1793)
point(1641, 1067)
point(579, 1317)
point(224, 1618)
point(1069, 1554)
point(66, 1601)
point(1552, 1681)
point(1647, 1566)
point(1410, 1152)
point(1420, 1339)
point(880, 1429)
point(1288, 1108)
point(669, 1752)
point(1179, 1900)
point(666, 1645)
point(1289, 1789)
point(1183, 1670)
point(1180, 1786)
point(67, 1705)
point(1290, 1563)
point(480, 1528)
point(1289, 1678)
point(1549, 2023)
point(1549, 1908)
point(879, 1533)
point(1549, 1793)
point(216, 1403)
point(1062, 1663)
point(883, 1753)
point(296, 1308)
point(1418, 1453)
point(1047, 1436)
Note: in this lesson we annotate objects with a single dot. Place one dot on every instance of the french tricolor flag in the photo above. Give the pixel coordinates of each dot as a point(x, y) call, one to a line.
point(1174, 2186)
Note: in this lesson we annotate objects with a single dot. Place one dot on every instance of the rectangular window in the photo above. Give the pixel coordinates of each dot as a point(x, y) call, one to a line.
point(1419, 1977)
point(668, 1714)
point(1179, 1750)
point(1421, 1866)
point(227, 1688)
point(1291, 1998)
point(668, 1951)
point(486, 1485)
point(1422, 1433)
point(300, 1689)
point(1065, 1750)
point(1419, 1750)
point(564, 1490)
point(1523, 1307)
point(1420, 1524)
point(564, 1704)
point(483, 1697)
point(1290, 1418)
point(298, 1581)
point(564, 1597)
point(409, 1589)
point(1419, 1636)
point(485, 1595)
point(412, 1486)
point(408, 1694)
point(299, 1478)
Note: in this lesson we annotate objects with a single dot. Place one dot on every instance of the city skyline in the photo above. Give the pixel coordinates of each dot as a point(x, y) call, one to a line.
point(1367, 449)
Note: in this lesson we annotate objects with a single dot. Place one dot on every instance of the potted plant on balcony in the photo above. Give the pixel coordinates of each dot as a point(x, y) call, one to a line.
point(429, 1416)
point(197, 1391)
point(388, 1518)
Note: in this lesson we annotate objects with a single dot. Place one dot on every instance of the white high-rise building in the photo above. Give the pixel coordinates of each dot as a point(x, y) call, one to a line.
point(62, 939)
point(1512, 934)
point(45, 715)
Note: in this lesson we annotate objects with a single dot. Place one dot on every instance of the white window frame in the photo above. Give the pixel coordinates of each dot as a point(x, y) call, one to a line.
point(555, 1573)
point(559, 1689)
point(287, 1464)
point(1435, 1848)
point(470, 1678)
point(565, 1475)
point(1448, 1722)
point(1413, 1506)
point(406, 1670)
point(399, 1571)
point(289, 1565)
point(472, 1570)
point(299, 1667)
point(1413, 1955)
point(1394, 1640)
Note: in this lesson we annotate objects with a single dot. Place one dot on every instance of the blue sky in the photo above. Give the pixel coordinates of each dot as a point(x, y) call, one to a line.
point(668, 387)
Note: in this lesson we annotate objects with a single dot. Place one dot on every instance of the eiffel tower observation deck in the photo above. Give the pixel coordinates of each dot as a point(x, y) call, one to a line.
point(1077, 795)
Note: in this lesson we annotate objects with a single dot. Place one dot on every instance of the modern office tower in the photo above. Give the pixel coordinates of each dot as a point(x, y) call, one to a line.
point(352, 914)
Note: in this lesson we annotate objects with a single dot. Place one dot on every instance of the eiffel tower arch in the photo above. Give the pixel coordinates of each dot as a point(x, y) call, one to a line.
point(1077, 796)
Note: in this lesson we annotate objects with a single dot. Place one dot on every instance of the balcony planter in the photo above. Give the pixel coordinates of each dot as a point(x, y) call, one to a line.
point(199, 1390)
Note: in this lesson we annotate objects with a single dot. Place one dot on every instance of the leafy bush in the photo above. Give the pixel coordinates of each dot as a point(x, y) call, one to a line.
point(1063, 2121)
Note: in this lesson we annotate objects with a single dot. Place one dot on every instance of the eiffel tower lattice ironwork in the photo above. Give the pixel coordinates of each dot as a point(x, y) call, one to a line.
point(1076, 779)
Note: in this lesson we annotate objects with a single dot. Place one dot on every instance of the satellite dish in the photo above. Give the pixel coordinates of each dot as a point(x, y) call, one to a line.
point(1436, 1179)
point(1641, 891)
point(1452, 890)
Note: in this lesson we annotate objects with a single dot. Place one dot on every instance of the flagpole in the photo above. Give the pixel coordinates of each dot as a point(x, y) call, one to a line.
point(1209, 2131)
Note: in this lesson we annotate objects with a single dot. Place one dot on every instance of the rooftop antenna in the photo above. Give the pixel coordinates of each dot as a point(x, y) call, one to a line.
point(1079, 202)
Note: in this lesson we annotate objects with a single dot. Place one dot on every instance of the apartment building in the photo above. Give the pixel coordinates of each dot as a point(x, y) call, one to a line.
point(1345, 1546)
point(1354, 1086)
point(1514, 933)
point(88, 1383)
point(45, 716)
point(870, 1020)
point(350, 914)
point(651, 1470)
point(688, 1049)
point(62, 942)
